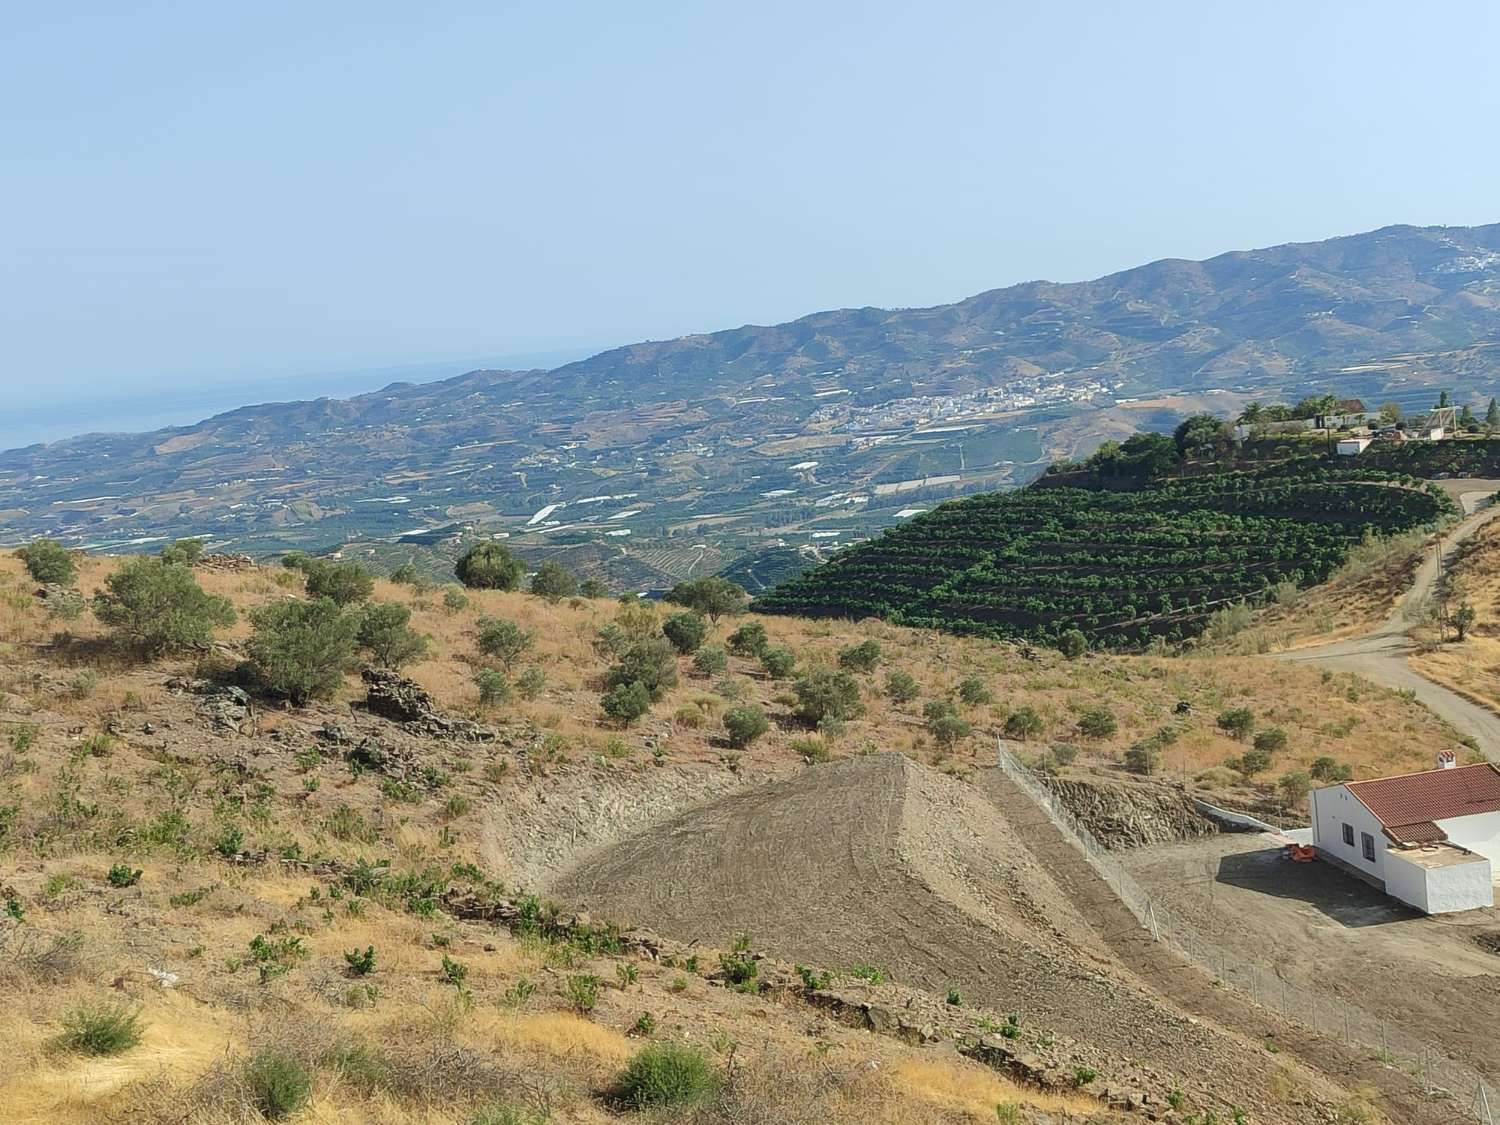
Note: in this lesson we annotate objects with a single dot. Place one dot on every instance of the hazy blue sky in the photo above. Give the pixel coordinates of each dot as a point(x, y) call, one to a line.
point(203, 194)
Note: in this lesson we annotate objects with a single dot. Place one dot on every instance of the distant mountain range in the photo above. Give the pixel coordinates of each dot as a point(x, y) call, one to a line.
point(809, 433)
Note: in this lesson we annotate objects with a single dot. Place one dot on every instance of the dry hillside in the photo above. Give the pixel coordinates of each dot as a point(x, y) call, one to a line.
point(221, 866)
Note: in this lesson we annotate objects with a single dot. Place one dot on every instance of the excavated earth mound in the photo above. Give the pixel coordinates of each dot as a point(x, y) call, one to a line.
point(877, 860)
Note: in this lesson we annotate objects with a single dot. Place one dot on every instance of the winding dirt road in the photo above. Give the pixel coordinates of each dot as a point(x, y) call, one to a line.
point(1381, 654)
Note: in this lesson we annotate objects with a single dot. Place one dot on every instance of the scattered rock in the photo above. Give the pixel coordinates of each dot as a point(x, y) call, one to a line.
point(226, 707)
point(405, 701)
point(225, 562)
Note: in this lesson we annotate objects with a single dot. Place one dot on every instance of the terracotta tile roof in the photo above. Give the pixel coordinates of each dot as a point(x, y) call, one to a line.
point(1416, 799)
point(1424, 832)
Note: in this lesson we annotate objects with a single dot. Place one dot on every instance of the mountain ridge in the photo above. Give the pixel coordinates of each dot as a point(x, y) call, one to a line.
point(744, 431)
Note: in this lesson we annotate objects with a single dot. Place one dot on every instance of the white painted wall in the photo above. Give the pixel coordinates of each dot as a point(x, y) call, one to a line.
point(1479, 833)
point(1461, 886)
point(1407, 881)
point(1333, 807)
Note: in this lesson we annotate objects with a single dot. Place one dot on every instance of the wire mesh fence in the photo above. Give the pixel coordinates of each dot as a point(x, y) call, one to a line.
point(1336, 1018)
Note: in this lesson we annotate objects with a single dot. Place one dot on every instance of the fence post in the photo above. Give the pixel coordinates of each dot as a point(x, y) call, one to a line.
point(1482, 1105)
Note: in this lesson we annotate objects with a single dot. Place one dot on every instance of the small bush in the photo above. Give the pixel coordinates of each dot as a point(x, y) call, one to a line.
point(1236, 721)
point(160, 607)
point(713, 596)
point(901, 687)
point(1073, 644)
point(279, 1083)
point(686, 631)
point(592, 588)
point(554, 582)
point(489, 566)
point(583, 991)
point(301, 650)
point(1272, 740)
point(503, 639)
point(862, 657)
point(455, 601)
point(531, 682)
point(385, 632)
point(824, 693)
point(1023, 723)
point(454, 972)
point(361, 962)
point(47, 560)
point(100, 1029)
point(344, 583)
point(749, 639)
point(743, 725)
point(778, 662)
point(123, 875)
point(667, 1074)
point(1251, 762)
point(1143, 757)
point(710, 660)
point(183, 552)
point(973, 693)
point(494, 688)
point(1097, 722)
point(1064, 753)
point(1327, 769)
point(625, 703)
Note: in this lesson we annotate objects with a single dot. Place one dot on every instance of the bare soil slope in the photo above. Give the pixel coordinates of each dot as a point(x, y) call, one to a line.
point(880, 861)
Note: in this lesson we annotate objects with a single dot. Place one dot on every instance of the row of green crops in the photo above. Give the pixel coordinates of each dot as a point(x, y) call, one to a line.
point(1123, 566)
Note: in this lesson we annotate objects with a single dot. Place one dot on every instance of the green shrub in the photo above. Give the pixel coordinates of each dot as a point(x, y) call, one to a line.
point(301, 650)
point(686, 631)
point(1327, 769)
point(713, 596)
point(101, 1029)
point(824, 693)
point(489, 566)
point(593, 588)
point(230, 843)
point(1272, 740)
point(160, 607)
point(405, 575)
point(779, 663)
point(650, 662)
point(862, 657)
point(47, 560)
point(949, 730)
point(1236, 721)
point(279, 1083)
point(749, 639)
point(973, 693)
point(183, 552)
point(554, 582)
point(386, 633)
point(123, 875)
point(494, 687)
point(344, 583)
point(1097, 722)
point(710, 660)
point(454, 972)
point(503, 639)
point(901, 687)
point(583, 991)
point(531, 682)
point(1023, 723)
point(1073, 644)
point(455, 601)
point(667, 1074)
point(625, 703)
point(1064, 753)
point(1251, 762)
point(1293, 786)
point(743, 725)
point(361, 962)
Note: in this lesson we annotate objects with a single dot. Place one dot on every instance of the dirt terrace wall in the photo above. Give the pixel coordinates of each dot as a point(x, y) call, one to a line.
point(1128, 815)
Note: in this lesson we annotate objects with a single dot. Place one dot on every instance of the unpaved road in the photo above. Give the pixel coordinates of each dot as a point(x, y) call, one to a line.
point(1381, 654)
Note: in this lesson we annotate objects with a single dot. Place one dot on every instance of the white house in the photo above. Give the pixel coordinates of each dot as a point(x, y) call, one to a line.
point(1424, 838)
point(1348, 447)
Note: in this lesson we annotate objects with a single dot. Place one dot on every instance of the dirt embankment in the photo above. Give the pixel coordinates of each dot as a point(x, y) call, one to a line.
point(1131, 815)
point(879, 861)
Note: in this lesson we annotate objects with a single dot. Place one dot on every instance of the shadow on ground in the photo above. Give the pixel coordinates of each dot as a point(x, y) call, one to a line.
point(1341, 897)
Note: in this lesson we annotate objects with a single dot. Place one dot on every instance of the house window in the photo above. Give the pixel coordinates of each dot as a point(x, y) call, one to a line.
point(1369, 845)
point(1349, 834)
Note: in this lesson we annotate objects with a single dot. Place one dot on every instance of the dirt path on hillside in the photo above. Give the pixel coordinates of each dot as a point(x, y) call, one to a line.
point(1381, 654)
point(1181, 982)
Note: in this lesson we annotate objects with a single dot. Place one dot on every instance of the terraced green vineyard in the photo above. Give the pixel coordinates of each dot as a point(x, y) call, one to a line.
point(1122, 566)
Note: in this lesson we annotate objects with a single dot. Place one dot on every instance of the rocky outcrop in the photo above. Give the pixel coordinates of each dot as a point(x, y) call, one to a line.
point(226, 708)
point(394, 697)
point(1129, 814)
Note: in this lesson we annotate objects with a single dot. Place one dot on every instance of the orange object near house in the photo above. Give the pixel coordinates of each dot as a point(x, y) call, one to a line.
point(1301, 853)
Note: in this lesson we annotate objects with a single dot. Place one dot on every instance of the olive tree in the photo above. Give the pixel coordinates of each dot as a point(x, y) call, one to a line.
point(159, 606)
